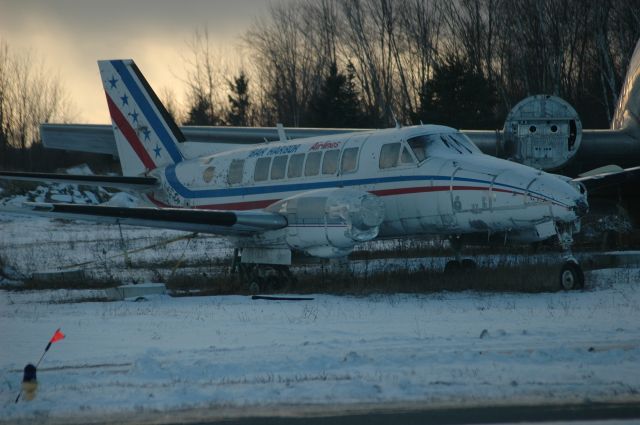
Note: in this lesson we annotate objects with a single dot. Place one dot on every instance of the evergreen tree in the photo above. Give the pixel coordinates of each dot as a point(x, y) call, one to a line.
point(458, 96)
point(238, 114)
point(336, 104)
point(201, 112)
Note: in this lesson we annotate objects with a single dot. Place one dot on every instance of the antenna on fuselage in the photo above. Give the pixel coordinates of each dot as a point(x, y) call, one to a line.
point(281, 134)
point(395, 120)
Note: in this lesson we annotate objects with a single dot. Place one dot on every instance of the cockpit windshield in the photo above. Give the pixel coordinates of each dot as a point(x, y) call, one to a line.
point(425, 145)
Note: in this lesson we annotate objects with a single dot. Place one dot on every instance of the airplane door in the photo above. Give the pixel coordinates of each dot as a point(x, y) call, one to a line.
point(446, 195)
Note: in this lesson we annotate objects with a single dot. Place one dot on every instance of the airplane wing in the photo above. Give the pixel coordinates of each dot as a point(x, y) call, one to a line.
point(118, 182)
point(226, 223)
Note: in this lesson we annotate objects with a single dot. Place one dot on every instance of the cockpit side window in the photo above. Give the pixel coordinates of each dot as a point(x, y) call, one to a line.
point(419, 146)
point(405, 156)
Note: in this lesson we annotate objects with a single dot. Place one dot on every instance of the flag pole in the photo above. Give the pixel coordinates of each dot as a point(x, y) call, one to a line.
point(57, 336)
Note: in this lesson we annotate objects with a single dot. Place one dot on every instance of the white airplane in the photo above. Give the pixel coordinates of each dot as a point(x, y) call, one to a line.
point(320, 195)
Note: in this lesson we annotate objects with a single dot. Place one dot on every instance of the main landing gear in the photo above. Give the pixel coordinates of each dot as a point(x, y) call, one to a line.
point(265, 277)
point(453, 266)
point(459, 264)
point(260, 277)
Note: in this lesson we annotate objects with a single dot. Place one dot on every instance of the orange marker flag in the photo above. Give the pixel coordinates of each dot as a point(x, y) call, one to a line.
point(55, 338)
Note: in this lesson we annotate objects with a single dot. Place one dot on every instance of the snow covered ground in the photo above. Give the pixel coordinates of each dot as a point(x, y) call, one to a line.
point(233, 356)
point(171, 354)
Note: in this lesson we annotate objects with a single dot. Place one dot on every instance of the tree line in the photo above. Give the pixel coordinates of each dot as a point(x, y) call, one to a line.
point(463, 63)
point(30, 94)
point(370, 63)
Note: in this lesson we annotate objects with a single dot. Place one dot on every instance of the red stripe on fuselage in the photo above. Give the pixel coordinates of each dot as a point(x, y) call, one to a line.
point(130, 134)
point(237, 206)
point(254, 205)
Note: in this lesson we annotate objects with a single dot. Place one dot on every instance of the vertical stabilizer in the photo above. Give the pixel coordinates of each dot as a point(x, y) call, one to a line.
point(146, 135)
point(627, 114)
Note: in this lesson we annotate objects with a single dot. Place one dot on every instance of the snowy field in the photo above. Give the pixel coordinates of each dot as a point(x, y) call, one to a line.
point(225, 356)
point(221, 353)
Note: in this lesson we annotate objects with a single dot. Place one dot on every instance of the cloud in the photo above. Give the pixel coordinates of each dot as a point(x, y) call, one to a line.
point(71, 35)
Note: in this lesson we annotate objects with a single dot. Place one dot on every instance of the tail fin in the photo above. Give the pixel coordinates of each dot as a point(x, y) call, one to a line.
point(146, 135)
point(627, 114)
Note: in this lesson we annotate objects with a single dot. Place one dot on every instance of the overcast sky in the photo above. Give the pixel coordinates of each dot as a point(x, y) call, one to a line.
point(71, 35)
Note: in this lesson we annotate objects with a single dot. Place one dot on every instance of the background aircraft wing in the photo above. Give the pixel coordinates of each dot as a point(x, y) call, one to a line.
point(599, 182)
point(118, 182)
point(99, 138)
point(240, 223)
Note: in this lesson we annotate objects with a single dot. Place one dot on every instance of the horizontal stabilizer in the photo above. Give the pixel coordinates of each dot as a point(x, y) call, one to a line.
point(118, 182)
point(190, 220)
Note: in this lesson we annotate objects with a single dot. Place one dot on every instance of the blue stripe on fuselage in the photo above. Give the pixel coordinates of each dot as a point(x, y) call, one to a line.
point(147, 110)
point(172, 179)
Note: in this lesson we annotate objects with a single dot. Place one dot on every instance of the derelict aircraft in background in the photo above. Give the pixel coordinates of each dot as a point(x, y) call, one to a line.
point(321, 195)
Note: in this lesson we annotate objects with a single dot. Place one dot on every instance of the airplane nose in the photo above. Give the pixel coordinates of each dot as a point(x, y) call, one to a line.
point(581, 207)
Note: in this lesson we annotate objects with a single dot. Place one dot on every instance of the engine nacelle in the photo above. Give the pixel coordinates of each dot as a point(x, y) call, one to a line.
point(328, 223)
point(543, 132)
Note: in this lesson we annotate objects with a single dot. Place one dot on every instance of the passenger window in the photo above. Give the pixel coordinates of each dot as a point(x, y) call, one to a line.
point(349, 160)
point(330, 161)
point(389, 155)
point(236, 169)
point(312, 166)
point(261, 172)
point(295, 165)
point(278, 167)
point(406, 158)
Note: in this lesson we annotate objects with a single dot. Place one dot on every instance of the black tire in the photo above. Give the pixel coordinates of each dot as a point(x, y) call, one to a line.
point(571, 276)
point(452, 266)
point(272, 283)
point(468, 264)
point(256, 286)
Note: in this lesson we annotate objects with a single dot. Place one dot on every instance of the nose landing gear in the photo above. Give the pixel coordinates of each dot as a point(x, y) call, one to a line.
point(571, 274)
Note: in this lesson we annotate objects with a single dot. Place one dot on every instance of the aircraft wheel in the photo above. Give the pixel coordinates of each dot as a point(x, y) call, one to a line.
point(571, 276)
point(468, 264)
point(272, 283)
point(452, 266)
point(254, 286)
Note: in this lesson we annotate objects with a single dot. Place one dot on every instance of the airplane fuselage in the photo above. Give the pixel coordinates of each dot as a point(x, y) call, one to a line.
point(449, 187)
